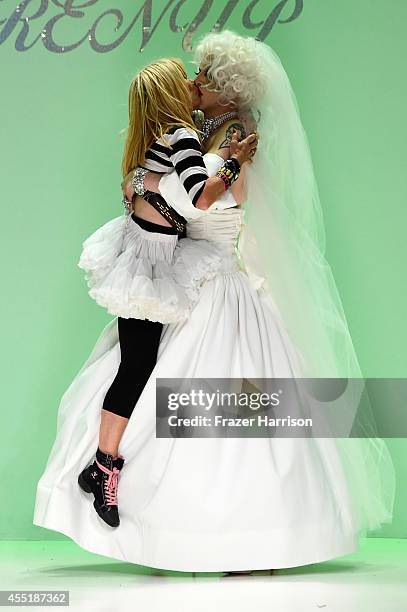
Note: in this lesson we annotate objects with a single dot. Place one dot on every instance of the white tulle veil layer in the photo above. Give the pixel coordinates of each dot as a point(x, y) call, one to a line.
point(282, 247)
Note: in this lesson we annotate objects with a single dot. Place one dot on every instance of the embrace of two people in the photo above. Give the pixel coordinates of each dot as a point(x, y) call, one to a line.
point(192, 300)
point(219, 118)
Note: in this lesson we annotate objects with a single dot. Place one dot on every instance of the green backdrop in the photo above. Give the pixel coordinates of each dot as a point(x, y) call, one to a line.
point(61, 114)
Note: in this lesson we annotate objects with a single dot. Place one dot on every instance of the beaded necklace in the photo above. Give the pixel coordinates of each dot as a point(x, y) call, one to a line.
point(211, 124)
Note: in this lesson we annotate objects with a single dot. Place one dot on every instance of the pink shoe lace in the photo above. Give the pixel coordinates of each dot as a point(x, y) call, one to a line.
point(110, 484)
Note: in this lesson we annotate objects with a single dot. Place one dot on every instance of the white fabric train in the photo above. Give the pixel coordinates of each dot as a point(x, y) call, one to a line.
point(209, 504)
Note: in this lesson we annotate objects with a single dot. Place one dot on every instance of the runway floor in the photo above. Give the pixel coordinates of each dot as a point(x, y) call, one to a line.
point(374, 579)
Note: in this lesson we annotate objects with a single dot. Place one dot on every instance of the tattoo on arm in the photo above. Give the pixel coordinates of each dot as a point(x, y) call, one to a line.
point(228, 135)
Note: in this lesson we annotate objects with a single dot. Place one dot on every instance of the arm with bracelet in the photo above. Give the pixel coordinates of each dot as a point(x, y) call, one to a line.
point(187, 159)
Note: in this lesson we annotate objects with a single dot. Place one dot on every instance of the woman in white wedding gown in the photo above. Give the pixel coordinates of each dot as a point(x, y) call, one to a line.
point(220, 504)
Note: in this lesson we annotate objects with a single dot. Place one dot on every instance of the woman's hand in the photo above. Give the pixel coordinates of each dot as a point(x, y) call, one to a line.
point(226, 152)
point(244, 150)
point(235, 142)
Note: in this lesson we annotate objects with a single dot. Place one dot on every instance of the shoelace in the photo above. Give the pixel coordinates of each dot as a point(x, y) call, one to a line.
point(110, 484)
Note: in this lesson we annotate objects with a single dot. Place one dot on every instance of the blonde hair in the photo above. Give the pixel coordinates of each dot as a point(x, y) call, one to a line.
point(159, 98)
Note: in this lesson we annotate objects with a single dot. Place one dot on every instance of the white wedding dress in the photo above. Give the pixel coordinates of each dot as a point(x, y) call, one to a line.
point(202, 504)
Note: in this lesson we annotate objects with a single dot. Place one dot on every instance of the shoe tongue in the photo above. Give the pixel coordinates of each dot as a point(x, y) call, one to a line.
point(108, 463)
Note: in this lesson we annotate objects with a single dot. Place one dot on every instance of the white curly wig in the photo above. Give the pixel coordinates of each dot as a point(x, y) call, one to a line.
point(233, 67)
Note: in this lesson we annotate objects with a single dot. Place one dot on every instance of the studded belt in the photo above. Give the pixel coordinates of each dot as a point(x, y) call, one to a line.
point(157, 201)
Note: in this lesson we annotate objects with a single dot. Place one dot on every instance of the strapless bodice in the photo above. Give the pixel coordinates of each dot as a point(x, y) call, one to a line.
point(217, 225)
point(221, 228)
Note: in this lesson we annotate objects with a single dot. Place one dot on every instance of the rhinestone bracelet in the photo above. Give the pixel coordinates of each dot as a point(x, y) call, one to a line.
point(127, 204)
point(138, 181)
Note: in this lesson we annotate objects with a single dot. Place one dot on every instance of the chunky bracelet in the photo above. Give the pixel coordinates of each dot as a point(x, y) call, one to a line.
point(234, 164)
point(229, 171)
point(225, 179)
point(138, 181)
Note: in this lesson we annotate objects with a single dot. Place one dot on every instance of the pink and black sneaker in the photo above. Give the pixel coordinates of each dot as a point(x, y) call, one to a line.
point(101, 478)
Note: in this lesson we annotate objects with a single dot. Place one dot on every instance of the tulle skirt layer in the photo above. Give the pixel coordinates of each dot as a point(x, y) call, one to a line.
point(135, 273)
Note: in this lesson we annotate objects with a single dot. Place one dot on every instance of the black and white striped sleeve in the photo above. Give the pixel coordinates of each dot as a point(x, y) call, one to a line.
point(187, 159)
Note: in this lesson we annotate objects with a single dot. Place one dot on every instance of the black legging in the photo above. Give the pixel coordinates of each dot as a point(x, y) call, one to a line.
point(139, 342)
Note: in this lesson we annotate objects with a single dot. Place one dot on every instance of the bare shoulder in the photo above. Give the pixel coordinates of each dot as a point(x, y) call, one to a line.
point(221, 138)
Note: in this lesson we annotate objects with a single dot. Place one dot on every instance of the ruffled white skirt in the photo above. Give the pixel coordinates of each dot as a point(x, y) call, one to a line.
point(135, 273)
